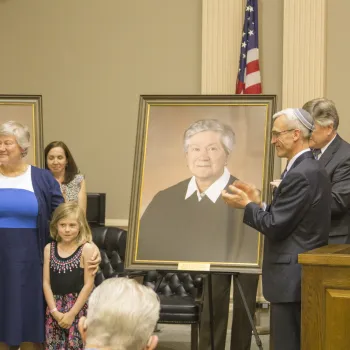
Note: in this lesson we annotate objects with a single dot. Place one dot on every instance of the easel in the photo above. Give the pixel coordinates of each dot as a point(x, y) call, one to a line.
point(237, 283)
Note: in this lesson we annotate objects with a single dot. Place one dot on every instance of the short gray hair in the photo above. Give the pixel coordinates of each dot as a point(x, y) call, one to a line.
point(228, 138)
point(297, 118)
point(122, 314)
point(19, 131)
point(323, 111)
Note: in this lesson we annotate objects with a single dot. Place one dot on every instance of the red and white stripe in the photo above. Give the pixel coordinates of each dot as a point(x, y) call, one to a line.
point(252, 77)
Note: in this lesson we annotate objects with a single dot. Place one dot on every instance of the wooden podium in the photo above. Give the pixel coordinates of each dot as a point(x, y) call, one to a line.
point(325, 303)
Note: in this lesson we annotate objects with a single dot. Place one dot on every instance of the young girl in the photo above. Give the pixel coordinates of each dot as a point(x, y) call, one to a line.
point(67, 282)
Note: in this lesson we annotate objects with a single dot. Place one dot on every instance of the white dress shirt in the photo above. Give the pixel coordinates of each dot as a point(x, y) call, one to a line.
point(213, 192)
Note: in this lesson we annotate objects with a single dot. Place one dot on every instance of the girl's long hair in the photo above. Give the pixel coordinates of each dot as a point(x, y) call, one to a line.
point(71, 210)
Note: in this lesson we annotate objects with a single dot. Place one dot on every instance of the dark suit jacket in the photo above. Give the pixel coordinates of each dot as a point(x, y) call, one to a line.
point(297, 220)
point(175, 229)
point(336, 160)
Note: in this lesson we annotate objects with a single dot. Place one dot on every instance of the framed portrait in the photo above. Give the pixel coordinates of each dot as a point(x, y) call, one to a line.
point(27, 110)
point(188, 150)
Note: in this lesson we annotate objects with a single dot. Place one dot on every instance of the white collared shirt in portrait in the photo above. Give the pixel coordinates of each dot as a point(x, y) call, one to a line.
point(213, 192)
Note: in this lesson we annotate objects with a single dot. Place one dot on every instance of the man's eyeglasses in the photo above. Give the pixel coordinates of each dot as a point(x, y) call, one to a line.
point(277, 134)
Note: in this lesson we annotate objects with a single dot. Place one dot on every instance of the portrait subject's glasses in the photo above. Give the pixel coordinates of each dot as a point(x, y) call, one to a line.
point(277, 134)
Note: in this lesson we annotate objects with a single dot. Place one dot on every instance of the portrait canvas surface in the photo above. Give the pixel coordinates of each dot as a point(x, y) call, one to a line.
point(189, 149)
point(27, 110)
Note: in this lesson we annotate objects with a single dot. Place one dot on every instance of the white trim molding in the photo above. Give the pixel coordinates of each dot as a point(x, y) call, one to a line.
point(117, 222)
point(304, 52)
point(222, 23)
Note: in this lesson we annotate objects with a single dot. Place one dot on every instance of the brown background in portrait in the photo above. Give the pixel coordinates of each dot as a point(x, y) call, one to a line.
point(24, 115)
point(165, 163)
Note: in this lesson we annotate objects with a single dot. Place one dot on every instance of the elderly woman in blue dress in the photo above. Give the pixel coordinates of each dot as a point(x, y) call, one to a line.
point(28, 195)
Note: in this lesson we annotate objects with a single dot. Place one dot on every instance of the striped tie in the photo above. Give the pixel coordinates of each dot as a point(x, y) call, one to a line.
point(316, 153)
point(284, 173)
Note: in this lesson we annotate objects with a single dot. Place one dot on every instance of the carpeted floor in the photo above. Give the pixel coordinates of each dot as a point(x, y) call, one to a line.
point(178, 337)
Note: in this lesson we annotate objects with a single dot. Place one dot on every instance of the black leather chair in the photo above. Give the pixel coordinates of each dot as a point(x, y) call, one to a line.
point(180, 297)
point(112, 243)
point(180, 294)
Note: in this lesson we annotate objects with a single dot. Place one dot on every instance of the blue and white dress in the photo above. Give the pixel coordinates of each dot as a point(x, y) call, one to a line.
point(21, 296)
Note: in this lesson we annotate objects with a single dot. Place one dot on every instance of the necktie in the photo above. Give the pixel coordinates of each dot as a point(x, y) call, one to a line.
point(282, 176)
point(284, 173)
point(316, 153)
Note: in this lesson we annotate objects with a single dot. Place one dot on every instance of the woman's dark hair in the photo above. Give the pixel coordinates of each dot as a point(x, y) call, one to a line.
point(71, 168)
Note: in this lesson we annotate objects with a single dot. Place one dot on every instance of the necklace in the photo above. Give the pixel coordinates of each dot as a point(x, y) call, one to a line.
point(14, 173)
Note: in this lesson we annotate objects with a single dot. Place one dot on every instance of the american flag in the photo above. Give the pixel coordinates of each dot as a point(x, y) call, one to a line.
point(248, 78)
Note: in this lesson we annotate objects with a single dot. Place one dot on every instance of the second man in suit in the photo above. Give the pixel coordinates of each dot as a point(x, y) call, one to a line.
point(334, 154)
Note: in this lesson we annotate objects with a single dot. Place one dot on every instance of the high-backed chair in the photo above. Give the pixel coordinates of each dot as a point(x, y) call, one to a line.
point(180, 297)
point(112, 243)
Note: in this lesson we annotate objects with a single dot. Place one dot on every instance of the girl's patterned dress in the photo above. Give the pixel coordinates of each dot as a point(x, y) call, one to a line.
point(67, 280)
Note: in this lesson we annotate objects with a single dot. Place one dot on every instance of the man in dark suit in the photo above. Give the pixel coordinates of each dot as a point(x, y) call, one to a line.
point(334, 154)
point(297, 220)
point(189, 219)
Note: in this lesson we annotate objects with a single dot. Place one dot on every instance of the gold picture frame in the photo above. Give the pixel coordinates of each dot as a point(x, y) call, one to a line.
point(167, 231)
point(27, 110)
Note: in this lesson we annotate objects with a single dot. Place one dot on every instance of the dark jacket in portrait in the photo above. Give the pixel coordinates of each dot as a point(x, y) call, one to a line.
point(173, 228)
point(336, 160)
point(297, 220)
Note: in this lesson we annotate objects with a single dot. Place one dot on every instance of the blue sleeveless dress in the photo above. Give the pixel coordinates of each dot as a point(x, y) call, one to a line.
point(21, 295)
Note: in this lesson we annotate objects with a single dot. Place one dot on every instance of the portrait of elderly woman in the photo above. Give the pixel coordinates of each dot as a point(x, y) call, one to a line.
point(189, 149)
point(189, 220)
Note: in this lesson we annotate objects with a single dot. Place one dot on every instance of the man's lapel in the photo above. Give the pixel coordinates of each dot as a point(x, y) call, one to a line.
point(303, 156)
point(331, 149)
